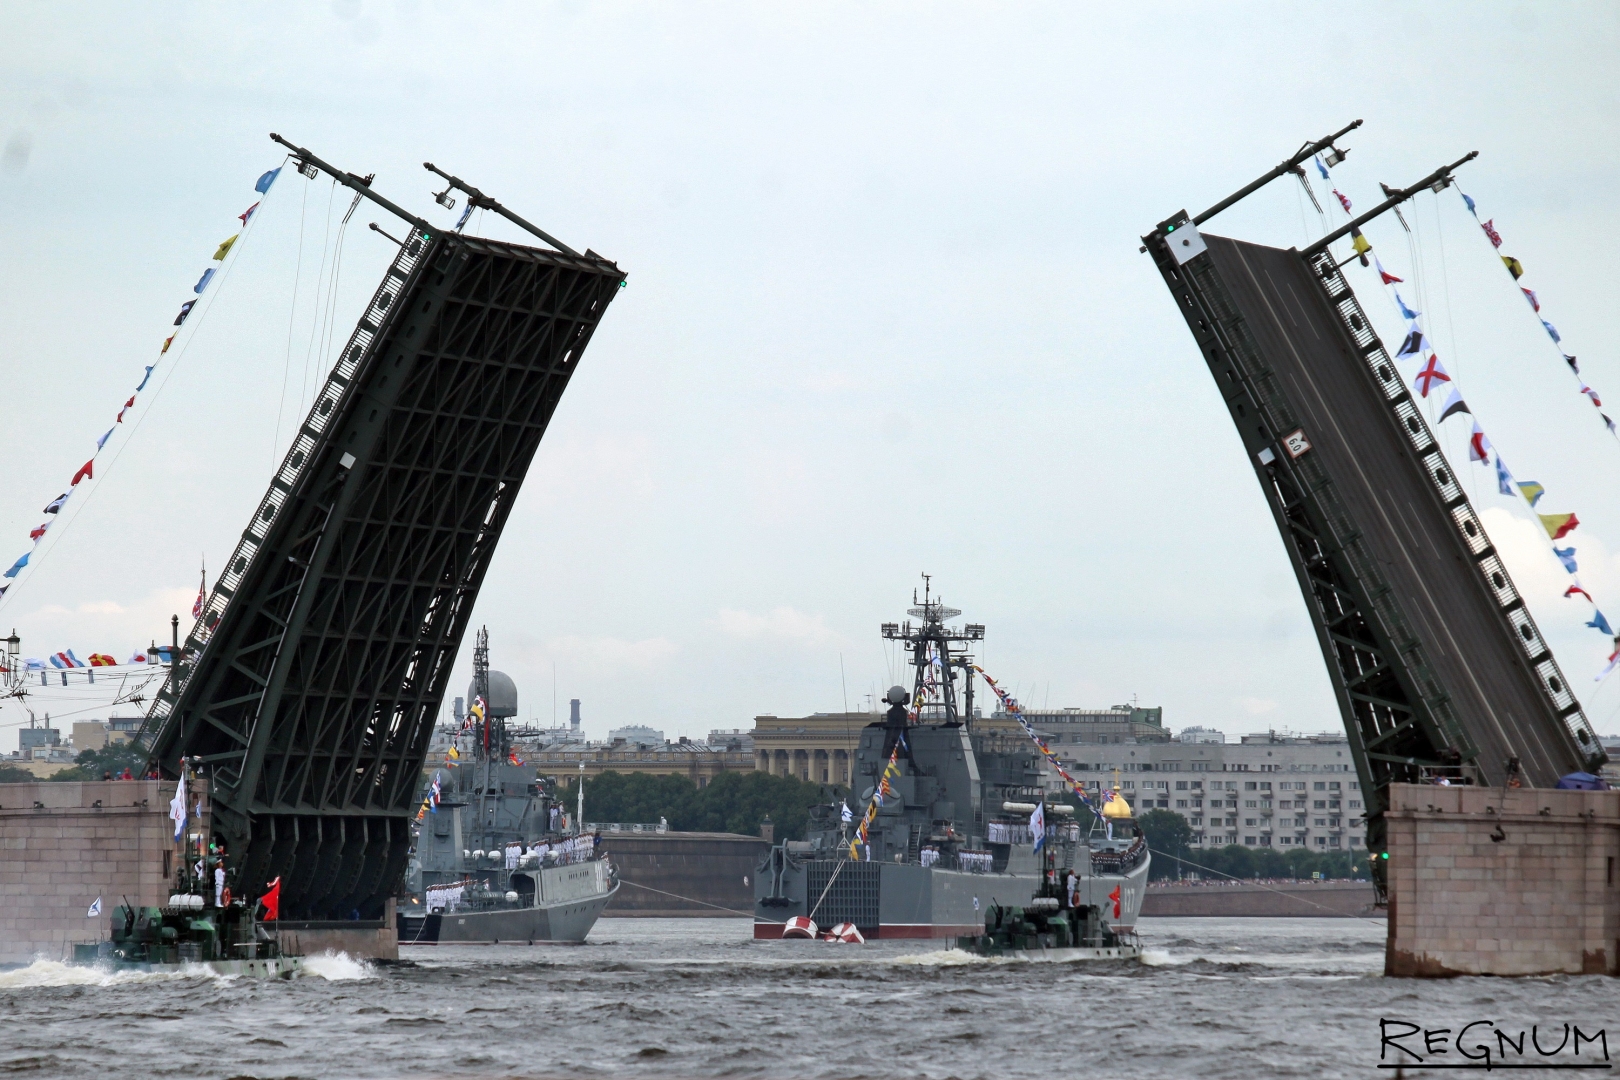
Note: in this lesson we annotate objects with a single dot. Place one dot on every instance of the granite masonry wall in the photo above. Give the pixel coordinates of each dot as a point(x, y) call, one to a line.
point(1277, 899)
point(1484, 881)
point(63, 845)
point(683, 874)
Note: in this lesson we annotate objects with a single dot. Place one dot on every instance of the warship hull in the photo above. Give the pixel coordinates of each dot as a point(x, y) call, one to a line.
point(570, 899)
point(564, 923)
point(906, 900)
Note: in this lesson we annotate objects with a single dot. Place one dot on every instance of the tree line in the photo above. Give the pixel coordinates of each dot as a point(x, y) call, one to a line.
point(1169, 836)
point(110, 760)
point(734, 802)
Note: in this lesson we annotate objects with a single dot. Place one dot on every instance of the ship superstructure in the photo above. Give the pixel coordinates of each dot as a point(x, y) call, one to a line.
point(941, 831)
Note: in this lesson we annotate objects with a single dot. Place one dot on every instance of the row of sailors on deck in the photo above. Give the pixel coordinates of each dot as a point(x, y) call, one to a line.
point(515, 854)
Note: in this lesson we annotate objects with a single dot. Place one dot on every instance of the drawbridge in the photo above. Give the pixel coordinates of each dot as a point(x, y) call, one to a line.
point(313, 678)
point(1436, 663)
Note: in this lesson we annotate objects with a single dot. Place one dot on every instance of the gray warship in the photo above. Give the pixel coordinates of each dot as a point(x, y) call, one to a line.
point(498, 857)
point(950, 841)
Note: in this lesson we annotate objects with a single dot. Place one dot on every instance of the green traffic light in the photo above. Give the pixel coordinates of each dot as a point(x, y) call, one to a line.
point(1383, 854)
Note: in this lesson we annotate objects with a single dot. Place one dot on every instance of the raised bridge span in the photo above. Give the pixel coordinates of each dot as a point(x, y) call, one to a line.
point(1435, 661)
point(314, 676)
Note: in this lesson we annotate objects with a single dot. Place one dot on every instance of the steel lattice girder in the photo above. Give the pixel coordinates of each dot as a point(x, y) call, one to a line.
point(314, 695)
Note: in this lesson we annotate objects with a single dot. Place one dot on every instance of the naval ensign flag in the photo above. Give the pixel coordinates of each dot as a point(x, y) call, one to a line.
point(95, 909)
point(177, 808)
point(1037, 825)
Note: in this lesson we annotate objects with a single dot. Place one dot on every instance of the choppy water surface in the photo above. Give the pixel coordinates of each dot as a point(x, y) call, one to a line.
point(699, 998)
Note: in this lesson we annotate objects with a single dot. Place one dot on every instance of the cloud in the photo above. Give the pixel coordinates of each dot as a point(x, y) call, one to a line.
point(596, 654)
point(782, 624)
point(14, 159)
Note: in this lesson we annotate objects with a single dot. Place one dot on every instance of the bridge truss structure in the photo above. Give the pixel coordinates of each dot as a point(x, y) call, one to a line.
point(316, 672)
point(1436, 663)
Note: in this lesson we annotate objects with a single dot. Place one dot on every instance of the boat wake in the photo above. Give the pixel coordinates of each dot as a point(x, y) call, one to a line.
point(43, 973)
point(337, 967)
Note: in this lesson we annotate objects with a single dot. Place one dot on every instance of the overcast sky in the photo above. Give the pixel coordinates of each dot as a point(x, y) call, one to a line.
point(885, 315)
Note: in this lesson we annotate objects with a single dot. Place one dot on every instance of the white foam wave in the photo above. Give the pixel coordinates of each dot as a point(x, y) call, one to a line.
point(337, 967)
point(56, 973)
point(1161, 958)
point(942, 958)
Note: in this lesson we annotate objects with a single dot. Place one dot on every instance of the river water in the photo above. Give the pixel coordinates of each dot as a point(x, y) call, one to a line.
point(651, 998)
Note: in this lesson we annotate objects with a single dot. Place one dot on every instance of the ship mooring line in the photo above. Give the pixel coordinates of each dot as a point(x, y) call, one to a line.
point(695, 900)
point(836, 871)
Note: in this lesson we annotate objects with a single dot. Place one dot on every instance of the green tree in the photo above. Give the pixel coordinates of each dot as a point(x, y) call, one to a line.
point(1168, 836)
point(11, 774)
point(112, 759)
point(732, 802)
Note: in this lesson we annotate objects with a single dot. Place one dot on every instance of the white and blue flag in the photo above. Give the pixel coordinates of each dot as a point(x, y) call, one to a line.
point(95, 909)
point(1037, 825)
point(847, 815)
point(177, 808)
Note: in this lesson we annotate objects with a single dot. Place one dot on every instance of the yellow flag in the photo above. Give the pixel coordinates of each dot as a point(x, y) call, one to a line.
point(1558, 525)
point(219, 256)
point(1359, 242)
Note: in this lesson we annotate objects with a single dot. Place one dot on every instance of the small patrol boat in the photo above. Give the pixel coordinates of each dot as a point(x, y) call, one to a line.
point(187, 934)
point(1044, 929)
point(1063, 921)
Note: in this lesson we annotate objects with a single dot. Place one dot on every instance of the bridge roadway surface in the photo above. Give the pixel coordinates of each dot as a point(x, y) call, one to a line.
point(1494, 690)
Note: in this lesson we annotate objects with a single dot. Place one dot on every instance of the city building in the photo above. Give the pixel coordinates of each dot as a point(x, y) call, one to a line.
point(818, 747)
point(697, 761)
point(1116, 725)
point(636, 735)
point(734, 739)
point(1266, 790)
point(1199, 735)
point(100, 734)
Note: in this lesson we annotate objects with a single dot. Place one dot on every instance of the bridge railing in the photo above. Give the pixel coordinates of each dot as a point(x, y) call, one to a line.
point(627, 827)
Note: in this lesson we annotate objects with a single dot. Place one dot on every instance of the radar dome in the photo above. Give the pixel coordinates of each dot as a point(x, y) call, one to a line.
point(502, 699)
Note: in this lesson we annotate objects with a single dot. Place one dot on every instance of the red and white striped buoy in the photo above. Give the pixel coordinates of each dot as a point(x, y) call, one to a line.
point(846, 932)
point(799, 927)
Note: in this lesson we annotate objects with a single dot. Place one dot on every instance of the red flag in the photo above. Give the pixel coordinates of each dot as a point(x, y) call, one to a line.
point(272, 901)
point(196, 609)
point(1478, 445)
point(244, 215)
point(1573, 589)
point(1344, 202)
point(511, 756)
point(1432, 373)
point(84, 473)
point(39, 532)
point(1114, 896)
point(1490, 232)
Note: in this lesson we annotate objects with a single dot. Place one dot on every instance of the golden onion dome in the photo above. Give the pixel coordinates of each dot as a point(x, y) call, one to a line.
point(1116, 807)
